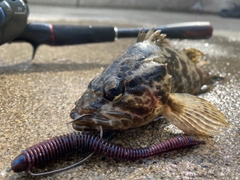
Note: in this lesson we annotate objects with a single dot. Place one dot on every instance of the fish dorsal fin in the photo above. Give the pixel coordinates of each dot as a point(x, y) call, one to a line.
point(193, 54)
point(141, 35)
point(193, 115)
point(154, 37)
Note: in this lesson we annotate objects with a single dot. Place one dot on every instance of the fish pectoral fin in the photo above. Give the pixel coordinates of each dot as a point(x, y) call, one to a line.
point(193, 115)
point(193, 54)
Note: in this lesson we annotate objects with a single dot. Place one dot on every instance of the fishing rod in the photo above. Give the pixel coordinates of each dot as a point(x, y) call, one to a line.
point(62, 35)
point(14, 28)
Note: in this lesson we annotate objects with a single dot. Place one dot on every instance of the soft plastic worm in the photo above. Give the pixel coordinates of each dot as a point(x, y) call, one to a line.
point(60, 146)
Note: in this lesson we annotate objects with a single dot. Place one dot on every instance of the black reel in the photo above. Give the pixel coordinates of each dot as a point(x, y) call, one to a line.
point(13, 19)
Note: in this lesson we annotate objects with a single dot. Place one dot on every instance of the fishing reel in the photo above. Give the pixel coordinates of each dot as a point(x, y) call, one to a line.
point(13, 19)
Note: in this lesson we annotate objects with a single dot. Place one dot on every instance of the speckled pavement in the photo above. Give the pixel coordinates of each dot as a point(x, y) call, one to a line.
point(36, 98)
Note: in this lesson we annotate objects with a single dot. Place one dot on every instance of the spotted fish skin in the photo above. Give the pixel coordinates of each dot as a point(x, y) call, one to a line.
point(141, 85)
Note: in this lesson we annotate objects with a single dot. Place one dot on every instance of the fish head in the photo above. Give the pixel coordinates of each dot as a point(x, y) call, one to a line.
point(131, 92)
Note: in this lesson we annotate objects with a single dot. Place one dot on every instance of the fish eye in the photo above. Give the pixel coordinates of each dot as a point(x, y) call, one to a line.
point(113, 90)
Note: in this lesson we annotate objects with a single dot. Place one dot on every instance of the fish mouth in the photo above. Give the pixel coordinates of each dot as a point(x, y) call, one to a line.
point(93, 121)
point(83, 122)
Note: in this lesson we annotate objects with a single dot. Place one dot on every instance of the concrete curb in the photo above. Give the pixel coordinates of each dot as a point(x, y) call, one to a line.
point(210, 6)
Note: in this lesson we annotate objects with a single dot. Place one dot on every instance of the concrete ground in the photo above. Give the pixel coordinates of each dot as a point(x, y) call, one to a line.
point(37, 96)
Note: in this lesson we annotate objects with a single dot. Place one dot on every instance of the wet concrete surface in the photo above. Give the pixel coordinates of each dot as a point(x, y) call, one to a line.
point(37, 96)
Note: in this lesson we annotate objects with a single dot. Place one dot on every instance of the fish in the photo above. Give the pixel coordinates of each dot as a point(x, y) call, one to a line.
point(149, 80)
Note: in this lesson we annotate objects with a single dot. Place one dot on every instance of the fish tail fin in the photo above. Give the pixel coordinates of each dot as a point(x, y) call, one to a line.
point(209, 81)
point(193, 115)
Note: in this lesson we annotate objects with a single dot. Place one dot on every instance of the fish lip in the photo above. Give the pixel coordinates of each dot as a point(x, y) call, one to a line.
point(85, 128)
point(92, 121)
point(86, 122)
point(77, 117)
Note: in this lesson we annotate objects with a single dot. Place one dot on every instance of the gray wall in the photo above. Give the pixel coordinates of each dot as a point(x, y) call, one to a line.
point(212, 6)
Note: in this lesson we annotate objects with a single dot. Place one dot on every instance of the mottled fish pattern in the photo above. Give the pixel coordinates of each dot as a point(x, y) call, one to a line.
point(150, 79)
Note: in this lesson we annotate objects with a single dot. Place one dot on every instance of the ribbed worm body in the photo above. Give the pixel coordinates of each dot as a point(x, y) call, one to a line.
point(61, 146)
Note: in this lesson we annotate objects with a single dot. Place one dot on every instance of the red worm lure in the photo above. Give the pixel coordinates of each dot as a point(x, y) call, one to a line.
point(60, 146)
